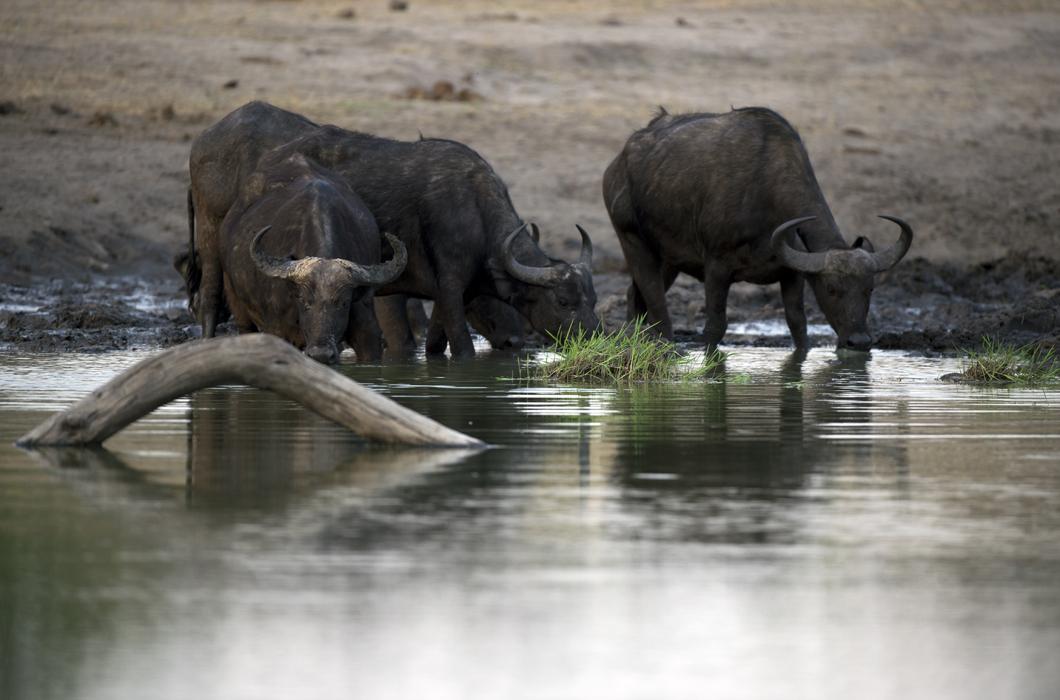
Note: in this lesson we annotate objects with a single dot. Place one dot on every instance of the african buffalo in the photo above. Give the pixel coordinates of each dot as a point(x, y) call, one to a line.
point(300, 254)
point(718, 197)
point(439, 197)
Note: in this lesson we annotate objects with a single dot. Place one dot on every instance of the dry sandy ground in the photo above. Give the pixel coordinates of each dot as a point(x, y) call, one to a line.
point(944, 112)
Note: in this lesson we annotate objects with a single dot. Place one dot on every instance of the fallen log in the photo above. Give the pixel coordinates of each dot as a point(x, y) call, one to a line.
point(258, 360)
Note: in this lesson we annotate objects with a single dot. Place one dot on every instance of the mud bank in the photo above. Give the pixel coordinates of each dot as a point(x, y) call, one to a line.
point(920, 306)
point(93, 316)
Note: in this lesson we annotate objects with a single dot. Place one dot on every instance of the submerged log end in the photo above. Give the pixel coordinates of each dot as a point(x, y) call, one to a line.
point(257, 360)
point(64, 428)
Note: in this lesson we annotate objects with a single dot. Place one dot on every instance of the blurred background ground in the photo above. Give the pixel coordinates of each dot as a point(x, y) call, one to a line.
point(945, 112)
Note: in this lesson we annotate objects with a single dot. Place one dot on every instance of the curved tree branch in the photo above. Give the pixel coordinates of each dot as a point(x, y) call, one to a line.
point(258, 360)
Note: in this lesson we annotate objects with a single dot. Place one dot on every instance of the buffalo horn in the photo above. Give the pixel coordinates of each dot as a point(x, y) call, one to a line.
point(540, 276)
point(887, 259)
point(269, 265)
point(796, 259)
point(383, 273)
point(586, 257)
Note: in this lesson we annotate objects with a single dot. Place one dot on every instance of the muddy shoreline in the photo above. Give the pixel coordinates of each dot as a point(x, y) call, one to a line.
point(950, 120)
point(920, 306)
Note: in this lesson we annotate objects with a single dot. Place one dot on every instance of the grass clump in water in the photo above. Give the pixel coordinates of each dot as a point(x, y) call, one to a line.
point(633, 353)
point(1002, 363)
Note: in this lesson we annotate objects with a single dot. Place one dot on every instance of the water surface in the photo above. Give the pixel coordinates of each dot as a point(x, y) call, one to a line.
point(828, 528)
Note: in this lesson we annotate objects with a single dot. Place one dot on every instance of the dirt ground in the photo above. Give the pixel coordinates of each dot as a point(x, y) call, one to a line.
point(944, 112)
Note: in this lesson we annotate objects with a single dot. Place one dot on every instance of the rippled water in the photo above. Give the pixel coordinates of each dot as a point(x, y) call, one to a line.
point(840, 528)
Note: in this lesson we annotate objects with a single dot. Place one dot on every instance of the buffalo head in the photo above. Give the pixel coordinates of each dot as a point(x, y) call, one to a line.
point(324, 288)
point(559, 297)
point(842, 279)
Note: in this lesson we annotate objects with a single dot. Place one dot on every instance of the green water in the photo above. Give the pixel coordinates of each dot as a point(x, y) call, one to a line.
point(825, 529)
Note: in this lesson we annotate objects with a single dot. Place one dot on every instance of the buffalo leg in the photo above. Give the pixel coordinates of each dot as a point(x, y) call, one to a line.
point(791, 291)
point(393, 318)
point(635, 304)
point(437, 340)
point(362, 332)
point(649, 283)
point(210, 289)
point(449, 310)
point(417, 318)
point(716, 284)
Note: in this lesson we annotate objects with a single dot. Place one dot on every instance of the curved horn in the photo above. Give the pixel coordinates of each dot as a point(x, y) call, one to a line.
point(383, 273)
point(267, 264)
point(535, 234)
point(796, 259)
point(890, 257)
point(586, 257)
point(540, 276)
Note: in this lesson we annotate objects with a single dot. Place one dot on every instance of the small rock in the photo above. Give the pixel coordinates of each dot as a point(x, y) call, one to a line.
point(611, 22)
point(61, 110)
point(9, 107)
point(348, 13)
point(682, 22)
point(443, 90)
point(231, 84)
point(100, 118)
point(468, 95)
point(176, 313)
point(168, 113)
point(398, 5)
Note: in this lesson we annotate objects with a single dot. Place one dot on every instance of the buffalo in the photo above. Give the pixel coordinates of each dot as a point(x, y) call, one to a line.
point(732, 197)
point(441, 198)
point(300, 255)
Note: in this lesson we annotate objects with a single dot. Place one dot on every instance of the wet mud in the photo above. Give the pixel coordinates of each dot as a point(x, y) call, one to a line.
point(94, 316)
point(920, 305)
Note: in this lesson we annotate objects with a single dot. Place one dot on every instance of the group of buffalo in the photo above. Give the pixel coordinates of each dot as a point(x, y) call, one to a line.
point(322, 235)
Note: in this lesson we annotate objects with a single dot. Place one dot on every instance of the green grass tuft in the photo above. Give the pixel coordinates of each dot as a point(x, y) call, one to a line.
point(1002, 363)
point(631, 354)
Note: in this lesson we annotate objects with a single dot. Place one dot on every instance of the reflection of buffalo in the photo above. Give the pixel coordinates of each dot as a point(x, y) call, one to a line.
point(700, 194)
point(736, 458)
point(249, 448)
point(281, 450)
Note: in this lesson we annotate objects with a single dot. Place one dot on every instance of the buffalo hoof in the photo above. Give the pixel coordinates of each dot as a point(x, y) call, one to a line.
point(512, 342)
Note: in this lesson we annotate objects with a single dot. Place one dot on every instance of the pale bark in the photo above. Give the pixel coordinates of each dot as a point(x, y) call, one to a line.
point(258, 360)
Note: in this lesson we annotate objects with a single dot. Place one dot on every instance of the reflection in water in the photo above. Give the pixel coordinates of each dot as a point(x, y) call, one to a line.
point(815, 526)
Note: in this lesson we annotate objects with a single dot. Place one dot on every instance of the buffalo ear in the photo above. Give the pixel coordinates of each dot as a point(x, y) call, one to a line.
point(187, 265)
point(182, 264)
point(864, 244)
